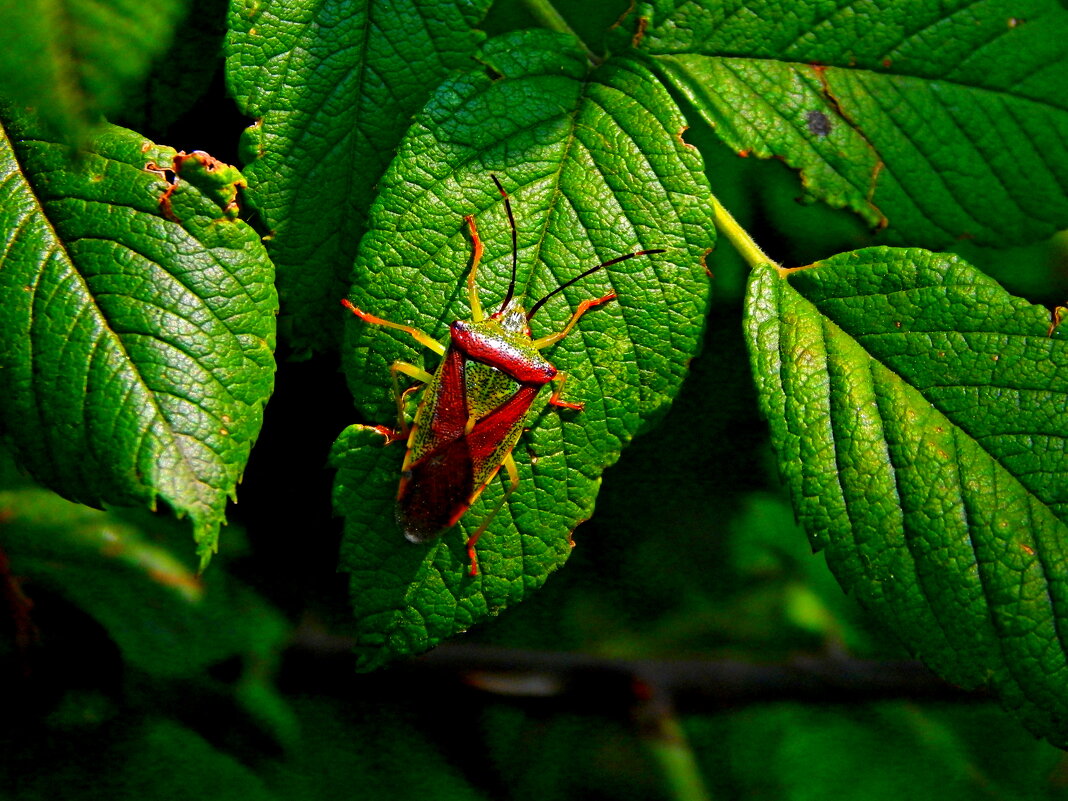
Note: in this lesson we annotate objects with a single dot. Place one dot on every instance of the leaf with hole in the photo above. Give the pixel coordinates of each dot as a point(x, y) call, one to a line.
point(136, 326)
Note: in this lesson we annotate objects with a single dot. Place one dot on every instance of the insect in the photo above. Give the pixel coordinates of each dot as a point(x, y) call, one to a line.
point(473, 407)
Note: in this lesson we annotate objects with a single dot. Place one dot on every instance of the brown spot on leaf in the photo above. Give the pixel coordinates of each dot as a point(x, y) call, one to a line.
point(171, 178)
point(819, 124)
point(639, 34)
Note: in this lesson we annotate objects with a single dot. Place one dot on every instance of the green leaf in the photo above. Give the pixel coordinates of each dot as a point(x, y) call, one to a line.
point(137, 757)
point(918, 413)
point(124, 572)
point(163, 759)
point(136, 324)
point(953, 752)
point(595, 169)
point(325, 764)
point(938, 120)
point(181, 75)
point(74, 60)
point(333, 86)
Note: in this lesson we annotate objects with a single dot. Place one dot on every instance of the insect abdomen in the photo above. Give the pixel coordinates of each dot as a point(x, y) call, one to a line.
point(435, 491)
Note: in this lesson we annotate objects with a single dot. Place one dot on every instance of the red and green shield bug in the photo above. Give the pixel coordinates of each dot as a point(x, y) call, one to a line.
point(473, 407)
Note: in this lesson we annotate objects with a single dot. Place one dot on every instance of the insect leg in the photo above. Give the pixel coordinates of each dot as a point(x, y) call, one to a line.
point(472, 288)
point(414, 372)
point(513, 482)
point(425, 340)
point(583, 307)
point(554, 399)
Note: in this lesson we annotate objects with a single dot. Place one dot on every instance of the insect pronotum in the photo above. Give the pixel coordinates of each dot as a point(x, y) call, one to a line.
point(473, 407)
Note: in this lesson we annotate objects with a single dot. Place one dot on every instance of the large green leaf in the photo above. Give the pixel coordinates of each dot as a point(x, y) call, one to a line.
point(940, 120)
point(596, 169)
point(333, 86)
point(73, 60)
point(136, 336)
point(180, 76)
point(919, 415)
point(123, 569)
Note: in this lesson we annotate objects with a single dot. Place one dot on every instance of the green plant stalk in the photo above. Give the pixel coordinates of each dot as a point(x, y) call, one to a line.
point(671, 751)
point(739, 237)
point(547, 15)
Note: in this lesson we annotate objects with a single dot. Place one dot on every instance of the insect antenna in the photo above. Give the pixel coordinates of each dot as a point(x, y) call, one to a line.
point(515, 253)
point(591, 271)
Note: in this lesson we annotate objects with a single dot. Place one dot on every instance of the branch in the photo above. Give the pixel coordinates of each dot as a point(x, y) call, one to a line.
point(692, 685)
point(610, 686)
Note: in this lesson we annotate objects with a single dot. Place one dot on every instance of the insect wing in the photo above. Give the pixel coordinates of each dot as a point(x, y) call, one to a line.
point(443, 412)
point(436, 491)
point(494, 436)
point(441, 485)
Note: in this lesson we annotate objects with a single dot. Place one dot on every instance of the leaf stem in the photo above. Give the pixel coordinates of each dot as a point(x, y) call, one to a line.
point(669, 747)
point(547, 15)
point(739, 237)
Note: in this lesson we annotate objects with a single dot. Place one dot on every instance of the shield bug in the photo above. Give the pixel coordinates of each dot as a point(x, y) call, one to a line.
point(473, 407)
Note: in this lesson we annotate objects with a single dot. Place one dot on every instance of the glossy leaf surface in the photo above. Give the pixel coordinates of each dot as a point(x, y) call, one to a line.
point(595, 168)
point(919, 415)
point(939, 121)
point(333, 86)
point(136, 327)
